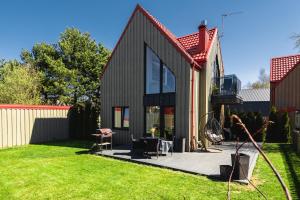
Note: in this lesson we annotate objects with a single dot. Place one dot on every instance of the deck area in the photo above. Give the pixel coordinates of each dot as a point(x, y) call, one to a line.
point(202, 163)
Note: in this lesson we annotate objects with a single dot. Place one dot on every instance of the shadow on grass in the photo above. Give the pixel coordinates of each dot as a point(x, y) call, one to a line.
point(83, 144)
point(292, 163)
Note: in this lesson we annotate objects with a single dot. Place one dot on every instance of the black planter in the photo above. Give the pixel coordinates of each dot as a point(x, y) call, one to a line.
point(225, 171)
point(241, 168)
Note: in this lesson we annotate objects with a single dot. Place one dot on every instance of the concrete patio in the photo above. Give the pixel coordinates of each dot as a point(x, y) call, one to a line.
point(202, 163)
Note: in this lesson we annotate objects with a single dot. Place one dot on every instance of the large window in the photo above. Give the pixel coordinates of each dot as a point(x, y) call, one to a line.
point(120, 117)
point(159, 78)
point(159, 98)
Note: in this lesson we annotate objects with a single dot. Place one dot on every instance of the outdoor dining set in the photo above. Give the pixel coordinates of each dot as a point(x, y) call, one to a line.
point(145, 146)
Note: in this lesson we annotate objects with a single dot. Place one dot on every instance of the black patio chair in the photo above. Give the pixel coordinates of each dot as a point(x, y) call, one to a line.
point(151, 146)
point(137, 146)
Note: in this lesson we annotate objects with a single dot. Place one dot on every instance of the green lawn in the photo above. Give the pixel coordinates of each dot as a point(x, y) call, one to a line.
point(65, 171)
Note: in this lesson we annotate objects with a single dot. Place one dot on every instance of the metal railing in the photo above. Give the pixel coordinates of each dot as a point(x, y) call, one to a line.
point(226, 85)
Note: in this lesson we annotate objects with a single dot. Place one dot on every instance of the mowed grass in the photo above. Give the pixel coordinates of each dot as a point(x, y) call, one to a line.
point(64, 171)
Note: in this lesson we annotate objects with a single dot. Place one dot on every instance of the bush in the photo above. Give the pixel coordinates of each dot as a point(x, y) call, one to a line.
point(253, 122)
point(227, 122)
point(272, 130)
point(279, 129)
point(83, 121)
point(285, 128)
point(259, 122)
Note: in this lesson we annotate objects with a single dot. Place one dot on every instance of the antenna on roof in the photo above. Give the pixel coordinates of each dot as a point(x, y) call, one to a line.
point(227, 15)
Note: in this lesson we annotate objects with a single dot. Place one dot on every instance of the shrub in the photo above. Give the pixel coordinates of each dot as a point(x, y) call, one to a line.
point(259, 122)
point(279, 130)
point(285, 128)
point(227, 122)
point(273, 127)
point(83, 120)
point(253, 122)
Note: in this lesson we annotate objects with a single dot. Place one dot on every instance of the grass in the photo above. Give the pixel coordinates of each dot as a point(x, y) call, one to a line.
point(65, 171)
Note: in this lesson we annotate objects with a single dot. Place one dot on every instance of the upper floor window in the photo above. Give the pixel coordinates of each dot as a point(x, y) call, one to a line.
point(153, 73)
point(168, 80)
point(159, 78)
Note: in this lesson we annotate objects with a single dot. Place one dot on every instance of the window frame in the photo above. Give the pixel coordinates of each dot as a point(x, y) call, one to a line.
point(161, 73)
point(122, 117)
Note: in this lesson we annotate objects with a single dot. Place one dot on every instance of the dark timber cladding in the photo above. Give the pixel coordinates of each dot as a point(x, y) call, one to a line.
point(123, 80)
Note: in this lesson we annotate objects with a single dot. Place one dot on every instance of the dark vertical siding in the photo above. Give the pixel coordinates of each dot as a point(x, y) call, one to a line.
point(123, 80)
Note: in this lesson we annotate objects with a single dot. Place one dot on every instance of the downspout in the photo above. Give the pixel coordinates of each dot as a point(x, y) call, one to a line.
point(192, 141)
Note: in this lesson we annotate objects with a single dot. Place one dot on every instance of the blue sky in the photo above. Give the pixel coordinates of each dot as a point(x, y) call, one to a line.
point(250, 39)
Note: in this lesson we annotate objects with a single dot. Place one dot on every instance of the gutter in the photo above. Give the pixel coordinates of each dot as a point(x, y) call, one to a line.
point(192, 142)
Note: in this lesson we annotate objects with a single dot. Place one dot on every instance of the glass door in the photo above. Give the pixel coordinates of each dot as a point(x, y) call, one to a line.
point(153, 127)
point(160, 121)
point(169, 119)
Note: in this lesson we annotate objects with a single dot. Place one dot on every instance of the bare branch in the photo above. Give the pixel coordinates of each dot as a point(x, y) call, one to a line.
point(284, 187)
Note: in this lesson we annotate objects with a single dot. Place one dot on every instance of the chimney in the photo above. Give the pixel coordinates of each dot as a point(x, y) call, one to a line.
point(203, 36)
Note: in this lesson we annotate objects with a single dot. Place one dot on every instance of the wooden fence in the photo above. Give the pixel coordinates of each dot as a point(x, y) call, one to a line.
point(22, 124)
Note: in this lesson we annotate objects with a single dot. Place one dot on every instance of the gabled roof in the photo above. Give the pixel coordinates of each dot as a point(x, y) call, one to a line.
point(184, 44)
point(168, 34)
point(282, 66)
point(191, 42)
point(255, 94)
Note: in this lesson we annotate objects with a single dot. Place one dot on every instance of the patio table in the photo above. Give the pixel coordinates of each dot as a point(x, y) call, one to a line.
point(163, 145)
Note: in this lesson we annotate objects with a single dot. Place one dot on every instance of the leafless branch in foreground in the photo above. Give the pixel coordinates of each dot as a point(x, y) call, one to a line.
point(242, 125)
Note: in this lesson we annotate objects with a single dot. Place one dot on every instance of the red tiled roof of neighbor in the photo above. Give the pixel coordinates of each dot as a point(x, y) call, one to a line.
point(191, 42)
point(185, 45)
point(281, 66)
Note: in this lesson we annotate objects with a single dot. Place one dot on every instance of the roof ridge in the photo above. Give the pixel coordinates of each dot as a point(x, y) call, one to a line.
point(183, 36)
point(293, 55)
point(168, 34)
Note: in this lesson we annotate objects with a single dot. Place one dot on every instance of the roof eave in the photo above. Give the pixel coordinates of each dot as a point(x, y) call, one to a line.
point(183, 52)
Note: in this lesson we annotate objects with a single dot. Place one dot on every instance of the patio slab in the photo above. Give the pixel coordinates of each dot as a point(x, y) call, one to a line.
point(202, 163)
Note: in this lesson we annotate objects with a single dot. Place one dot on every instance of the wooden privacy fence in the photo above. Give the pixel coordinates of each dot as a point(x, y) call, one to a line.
point(22, 124)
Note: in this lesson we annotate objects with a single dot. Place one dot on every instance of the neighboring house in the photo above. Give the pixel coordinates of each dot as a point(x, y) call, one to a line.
point(157, 83)
point(285, 83)
point(254, 100)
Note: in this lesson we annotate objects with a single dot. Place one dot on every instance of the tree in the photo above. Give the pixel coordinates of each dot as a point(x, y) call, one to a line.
point(273, 127)
point(19, 84)
point(259, 122)
point(285, 128)
point(71, 68)
point(296, 37)
point(262, 82)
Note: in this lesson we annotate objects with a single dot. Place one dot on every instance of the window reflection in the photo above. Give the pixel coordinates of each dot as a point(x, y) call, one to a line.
point(153, 120)
point(126, 118)
point(153, 73)
point(168, 80)
point(118, 114)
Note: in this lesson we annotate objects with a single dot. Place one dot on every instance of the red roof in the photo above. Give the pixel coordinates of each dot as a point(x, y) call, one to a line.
point(185, 45)
point(191, 42)
point(281, 66)
point(169, 35)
